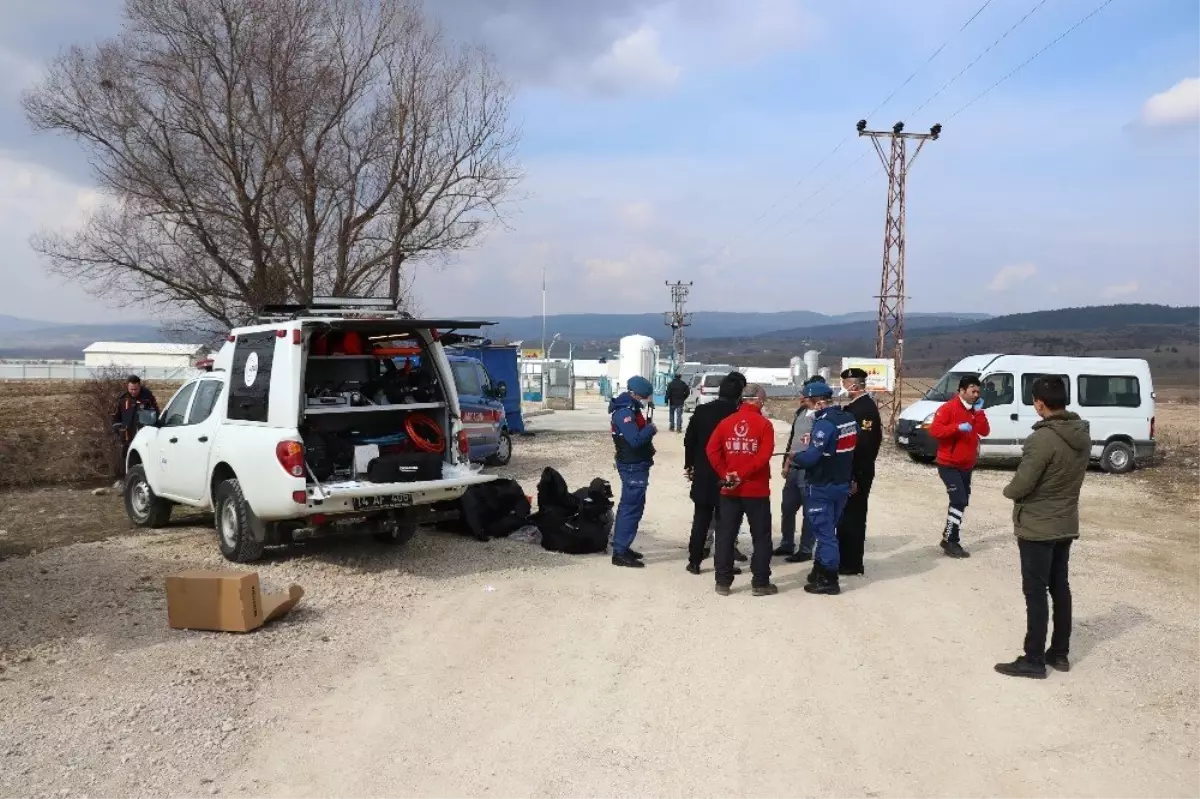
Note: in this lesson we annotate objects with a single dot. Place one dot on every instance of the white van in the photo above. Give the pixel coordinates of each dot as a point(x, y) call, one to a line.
point(1115, 395)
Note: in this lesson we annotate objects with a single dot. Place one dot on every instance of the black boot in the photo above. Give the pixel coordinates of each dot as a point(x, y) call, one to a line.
point(799, 557)
point(738, 556)
point(826, 584)
point(627, 560)
point(633, 553)
point(954, 550)
point(1022, 668)
point(814, 576)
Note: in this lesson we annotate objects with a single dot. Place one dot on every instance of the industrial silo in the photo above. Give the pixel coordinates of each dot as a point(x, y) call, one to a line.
point(636, 358)
point(812, 362)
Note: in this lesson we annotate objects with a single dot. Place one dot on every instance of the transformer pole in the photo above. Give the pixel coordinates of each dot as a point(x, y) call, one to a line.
point(677, 319)
point(889, 339)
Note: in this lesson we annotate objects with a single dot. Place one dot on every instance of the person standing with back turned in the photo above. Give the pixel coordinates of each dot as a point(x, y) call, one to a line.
point(633, 439)
point(852, 529)
point(706, 490)
point(740, 452)
point(958, 425)
point(1045, 495)
point(677, 393)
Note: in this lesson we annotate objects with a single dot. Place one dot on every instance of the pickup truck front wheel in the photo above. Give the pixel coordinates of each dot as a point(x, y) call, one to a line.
point(503, 451)
point(234, 534)
point(143, 506)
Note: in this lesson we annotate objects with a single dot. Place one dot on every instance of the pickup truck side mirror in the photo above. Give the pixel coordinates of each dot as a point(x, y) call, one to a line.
point(501, 390)
point(147, 417)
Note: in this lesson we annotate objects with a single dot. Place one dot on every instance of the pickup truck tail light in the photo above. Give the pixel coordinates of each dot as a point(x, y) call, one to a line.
point(291, 457)
point(464, 446)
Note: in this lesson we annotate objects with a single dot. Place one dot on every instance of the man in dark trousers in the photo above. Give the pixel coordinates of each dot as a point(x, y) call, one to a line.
point(958, 425)
point(677, 392)
point(1045, 495)
point(792, 501)
point(740, 452)
point(633, 440)
point(852, 529)
point(829, 461)
point(125, 417)
point(706, 491)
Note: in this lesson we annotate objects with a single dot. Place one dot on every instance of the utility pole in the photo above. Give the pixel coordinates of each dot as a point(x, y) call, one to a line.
point(677, 319)
point(889, 340)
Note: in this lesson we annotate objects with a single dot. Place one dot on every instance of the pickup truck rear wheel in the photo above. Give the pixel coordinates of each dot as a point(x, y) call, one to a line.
point(143, 506)
point(503, 451)
point(395, 528)
point(234, 534)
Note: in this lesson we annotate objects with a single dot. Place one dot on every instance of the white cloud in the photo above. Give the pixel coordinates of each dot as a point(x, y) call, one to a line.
point(1121, 290)
point(1178, 105)
point(1008, 276)
point(634, 61)
point(750, 29)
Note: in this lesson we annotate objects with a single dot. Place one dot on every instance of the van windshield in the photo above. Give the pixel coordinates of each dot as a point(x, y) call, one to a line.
point(713, 381)
point(945, 389)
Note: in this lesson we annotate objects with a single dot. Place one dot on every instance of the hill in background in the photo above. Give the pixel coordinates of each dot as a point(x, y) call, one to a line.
point(1165, 336)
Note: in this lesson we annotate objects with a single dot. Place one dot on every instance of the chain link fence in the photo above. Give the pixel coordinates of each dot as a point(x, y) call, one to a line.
point(19, 370)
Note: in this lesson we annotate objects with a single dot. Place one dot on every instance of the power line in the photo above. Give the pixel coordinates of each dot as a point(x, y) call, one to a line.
point(754, 224)
point(975, 60)
point(1027, 61)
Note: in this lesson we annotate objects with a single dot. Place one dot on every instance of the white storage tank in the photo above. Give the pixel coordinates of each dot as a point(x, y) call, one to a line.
point(812, 362)
point(824, 372)
point(799, 370)
point(637, 357)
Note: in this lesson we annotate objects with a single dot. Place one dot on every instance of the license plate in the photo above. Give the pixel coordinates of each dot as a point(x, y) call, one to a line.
point(382, 501)
point(902, 439)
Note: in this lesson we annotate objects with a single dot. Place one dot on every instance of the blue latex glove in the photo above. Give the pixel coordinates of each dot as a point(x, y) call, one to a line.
point(979, 405)
point(965, 427)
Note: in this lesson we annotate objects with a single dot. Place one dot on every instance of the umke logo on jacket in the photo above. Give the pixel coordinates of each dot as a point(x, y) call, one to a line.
point(740, 441)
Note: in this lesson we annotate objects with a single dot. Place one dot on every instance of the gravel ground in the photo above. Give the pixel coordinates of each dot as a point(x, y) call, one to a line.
point(451, 667)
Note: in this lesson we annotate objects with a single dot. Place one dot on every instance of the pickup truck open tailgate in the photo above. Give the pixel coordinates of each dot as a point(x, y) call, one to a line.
point(357, 495)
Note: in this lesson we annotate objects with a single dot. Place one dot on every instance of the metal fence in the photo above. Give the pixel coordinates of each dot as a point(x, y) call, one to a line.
point(17, 370)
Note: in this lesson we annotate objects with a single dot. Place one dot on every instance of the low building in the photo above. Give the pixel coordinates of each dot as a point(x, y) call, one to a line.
point(159, 355)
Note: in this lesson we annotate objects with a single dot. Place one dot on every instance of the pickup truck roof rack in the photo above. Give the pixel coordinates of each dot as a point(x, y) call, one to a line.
point(332, 307)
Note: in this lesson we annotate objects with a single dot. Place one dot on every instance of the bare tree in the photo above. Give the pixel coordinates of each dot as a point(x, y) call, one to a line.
point(258, 151)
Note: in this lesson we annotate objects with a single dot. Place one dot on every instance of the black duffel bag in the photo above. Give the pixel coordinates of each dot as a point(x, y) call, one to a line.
point(578, 523)
point(495, 509)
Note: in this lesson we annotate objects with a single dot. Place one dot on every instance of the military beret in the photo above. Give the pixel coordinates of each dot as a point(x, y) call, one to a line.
point(854, 373)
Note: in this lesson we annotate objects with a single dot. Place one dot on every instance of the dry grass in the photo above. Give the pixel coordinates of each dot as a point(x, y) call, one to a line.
point(59, 431)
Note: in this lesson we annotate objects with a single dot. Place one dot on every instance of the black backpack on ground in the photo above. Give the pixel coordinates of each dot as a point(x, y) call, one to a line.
point(495, 509)
point(575, 523)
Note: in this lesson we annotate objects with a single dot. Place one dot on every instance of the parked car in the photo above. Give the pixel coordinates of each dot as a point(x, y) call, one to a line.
point(1115, 395)
point(704, 389)
point(306, 426)
point(483, 415)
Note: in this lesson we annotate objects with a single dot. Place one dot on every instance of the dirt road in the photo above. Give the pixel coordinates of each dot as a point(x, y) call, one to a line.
point(460, 668)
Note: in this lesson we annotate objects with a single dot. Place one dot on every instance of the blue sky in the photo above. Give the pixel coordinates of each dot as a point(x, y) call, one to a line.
point(665, 140)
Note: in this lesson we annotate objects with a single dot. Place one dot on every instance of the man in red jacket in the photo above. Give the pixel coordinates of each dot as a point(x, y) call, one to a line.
point(958, 425)
point(740, 451)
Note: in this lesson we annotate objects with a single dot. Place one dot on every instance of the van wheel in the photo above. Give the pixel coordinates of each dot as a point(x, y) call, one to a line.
point(503, 452)
point(1117, 458)
point(142, 505)
point(234, 534)
point(395, 529)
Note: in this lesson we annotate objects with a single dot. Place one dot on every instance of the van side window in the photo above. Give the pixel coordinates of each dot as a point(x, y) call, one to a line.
point(998, 389)
point(1027, 387)
point(466, 379)
point(1109, 391)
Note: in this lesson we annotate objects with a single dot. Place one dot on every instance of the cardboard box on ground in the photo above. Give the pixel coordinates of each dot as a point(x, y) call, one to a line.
point(225, 601)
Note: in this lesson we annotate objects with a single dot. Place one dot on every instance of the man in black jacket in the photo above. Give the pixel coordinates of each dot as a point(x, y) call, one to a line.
point(852, 529)
point(125, 416)
point(706, 489)
point(677, 392)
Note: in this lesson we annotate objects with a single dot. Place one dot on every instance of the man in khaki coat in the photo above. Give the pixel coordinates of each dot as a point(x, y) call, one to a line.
point(1045, 495)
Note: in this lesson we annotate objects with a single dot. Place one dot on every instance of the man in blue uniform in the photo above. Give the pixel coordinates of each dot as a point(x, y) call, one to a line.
point(828, 462)
point(633, 438)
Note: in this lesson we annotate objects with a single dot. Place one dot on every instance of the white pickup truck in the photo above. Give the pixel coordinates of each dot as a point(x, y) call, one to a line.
point(320, 418)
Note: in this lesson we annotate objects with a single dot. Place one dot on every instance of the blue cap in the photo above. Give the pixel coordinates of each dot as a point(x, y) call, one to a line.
point(817, 391)
point(639, 386)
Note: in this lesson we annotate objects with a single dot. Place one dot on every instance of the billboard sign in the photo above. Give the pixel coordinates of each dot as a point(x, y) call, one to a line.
point(881, 372)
